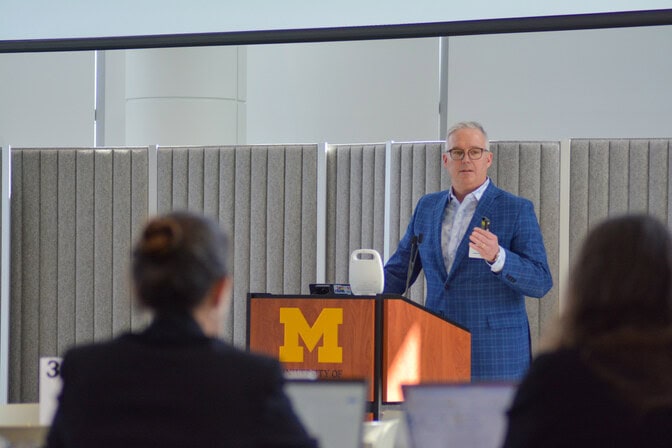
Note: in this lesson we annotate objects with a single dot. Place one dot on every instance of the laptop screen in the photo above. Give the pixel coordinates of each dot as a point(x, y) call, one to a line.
point(331, 411)
point(457, 415)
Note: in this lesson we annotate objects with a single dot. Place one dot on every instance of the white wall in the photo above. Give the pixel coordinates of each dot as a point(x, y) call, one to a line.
point(338, 92)
point(596, 83)
point(344, 92)
point(47, 99)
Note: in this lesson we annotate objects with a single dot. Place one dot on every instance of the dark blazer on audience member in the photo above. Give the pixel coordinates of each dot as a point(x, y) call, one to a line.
point(171, 386)
point(561, 403)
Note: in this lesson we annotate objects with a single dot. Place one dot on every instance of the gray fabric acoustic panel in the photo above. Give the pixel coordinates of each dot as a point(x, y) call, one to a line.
point(532, 170)
point(74, 215)
point(265, 198)
point(355, 205)
point(614, 177)
point(415, 170)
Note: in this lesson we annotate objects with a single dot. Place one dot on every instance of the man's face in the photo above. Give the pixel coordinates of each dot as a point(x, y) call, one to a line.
point(466, 175)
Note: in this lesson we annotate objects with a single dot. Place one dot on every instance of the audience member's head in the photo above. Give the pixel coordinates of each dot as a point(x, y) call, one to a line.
point(619, 308)
point(179, 263)
point(203, 391)
point(622, 278)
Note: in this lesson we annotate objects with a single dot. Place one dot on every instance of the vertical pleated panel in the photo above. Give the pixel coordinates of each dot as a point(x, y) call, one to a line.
point(416, 169)
point(102, 247)
point(73, 211)
point(548, 213)
point(139, 210)
point(242, 232)
point(265, 198)
point(638, 199)
point(532, 170)
point(300, 221)
point(355, 205)
point(579, 193)
point(615, 177)
point(17, 322)
point(67, 253)
point(658, 182)
point(220, 169)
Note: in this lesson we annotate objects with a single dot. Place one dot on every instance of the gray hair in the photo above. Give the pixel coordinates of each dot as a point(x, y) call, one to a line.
point(469, 125)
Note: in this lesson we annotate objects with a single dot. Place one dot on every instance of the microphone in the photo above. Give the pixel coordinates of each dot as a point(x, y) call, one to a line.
point(415, 242)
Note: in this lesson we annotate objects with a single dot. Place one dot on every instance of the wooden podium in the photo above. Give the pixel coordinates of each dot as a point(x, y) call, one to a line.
point(385, 339)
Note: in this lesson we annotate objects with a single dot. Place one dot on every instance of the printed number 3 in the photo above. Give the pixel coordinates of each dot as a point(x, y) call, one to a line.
point(54, 369)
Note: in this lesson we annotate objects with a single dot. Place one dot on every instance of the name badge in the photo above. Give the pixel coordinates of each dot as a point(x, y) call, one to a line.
point(473, 253)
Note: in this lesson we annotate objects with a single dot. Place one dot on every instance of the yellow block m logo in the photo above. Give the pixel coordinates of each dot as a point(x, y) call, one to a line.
point(325, 327)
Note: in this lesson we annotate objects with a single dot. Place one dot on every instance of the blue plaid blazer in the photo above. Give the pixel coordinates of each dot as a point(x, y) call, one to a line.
point(491, 306)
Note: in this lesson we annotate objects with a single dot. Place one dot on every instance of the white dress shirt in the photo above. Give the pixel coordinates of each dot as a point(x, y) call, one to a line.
point(456, 219)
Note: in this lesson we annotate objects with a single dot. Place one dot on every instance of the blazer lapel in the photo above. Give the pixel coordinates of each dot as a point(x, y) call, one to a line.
point(438, 219)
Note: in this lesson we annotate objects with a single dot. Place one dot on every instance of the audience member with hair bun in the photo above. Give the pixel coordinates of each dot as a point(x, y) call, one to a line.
point(175, 384)
point(605, 376)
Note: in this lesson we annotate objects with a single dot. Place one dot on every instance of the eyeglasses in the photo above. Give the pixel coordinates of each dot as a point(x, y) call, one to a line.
point(458, 153)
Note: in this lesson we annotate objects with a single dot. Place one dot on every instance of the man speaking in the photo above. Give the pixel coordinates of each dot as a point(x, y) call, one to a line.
point(482, 252)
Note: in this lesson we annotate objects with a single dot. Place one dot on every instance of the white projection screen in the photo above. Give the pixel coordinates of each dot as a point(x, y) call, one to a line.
point(56, 25)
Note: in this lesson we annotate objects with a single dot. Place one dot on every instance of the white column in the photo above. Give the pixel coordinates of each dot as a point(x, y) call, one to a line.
point(186, 96)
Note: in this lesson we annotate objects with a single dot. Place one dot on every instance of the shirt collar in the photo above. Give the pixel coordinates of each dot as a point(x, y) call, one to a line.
point(477, 193)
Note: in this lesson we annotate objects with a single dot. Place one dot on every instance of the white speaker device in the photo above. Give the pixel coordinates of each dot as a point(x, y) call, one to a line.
point(366, 272)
